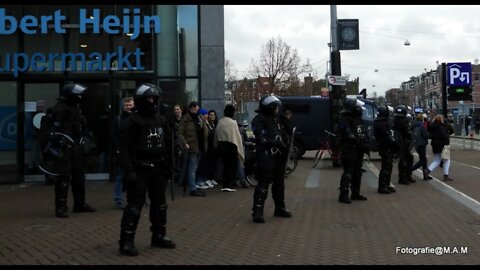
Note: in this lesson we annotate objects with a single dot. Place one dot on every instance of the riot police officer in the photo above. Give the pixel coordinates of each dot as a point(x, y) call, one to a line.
point(61, 136)
point(387, 147)
point(401, 126)
point(271, 156)
point(145, 157)
point(354, 144)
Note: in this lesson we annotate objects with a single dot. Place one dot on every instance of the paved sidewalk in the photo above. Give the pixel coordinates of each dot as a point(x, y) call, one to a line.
point(218, 230)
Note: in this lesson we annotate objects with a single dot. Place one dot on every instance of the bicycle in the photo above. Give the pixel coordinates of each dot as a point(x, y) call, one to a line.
point(324, 147)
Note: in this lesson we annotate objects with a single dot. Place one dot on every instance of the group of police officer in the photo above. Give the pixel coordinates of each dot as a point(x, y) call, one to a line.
point(394, 140)
point(145, 157)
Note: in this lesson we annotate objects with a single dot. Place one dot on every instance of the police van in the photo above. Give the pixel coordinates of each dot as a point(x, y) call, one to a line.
point(311, 116)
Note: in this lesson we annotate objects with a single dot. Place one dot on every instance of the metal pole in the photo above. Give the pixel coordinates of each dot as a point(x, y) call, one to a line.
point(444, 90)
point(333, 26)
point(337, 95)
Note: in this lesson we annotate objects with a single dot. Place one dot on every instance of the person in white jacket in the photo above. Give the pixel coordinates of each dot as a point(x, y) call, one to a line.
point(228, 142)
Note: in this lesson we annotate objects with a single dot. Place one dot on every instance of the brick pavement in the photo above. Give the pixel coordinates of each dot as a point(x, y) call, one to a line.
point(217, 229)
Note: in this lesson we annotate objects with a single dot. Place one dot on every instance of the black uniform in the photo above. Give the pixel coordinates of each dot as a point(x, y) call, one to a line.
point(67, 162)
point(271, 156)
point(145, 157)
point(354, 144)
point(387, 146)
point(401, 126)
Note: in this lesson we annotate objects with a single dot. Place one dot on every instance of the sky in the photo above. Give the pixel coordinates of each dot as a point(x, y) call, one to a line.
point(437, 34)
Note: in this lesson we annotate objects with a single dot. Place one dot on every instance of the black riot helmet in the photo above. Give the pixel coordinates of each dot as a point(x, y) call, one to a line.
point(72, 92)
point(384, 111)
point(268, 104)
point(142, 93)
point(401, 111)
point(353, 106)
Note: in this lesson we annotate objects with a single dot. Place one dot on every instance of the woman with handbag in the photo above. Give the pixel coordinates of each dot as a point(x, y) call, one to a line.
point(440, 131)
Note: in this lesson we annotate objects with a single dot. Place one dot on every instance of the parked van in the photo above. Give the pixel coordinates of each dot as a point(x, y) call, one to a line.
point(311, 116)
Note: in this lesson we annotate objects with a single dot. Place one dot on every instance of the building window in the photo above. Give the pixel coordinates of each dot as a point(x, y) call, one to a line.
point(476, 76)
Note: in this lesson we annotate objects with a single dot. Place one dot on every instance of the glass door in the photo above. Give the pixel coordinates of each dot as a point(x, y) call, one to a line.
point(96, 107)
point(8, 132)
point(38, 98)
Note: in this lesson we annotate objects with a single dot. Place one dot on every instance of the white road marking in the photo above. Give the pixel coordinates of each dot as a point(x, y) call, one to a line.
point(313, 179)
point(457, 195)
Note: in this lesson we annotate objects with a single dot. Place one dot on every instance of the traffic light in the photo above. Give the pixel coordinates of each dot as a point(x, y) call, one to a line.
point(456, 93)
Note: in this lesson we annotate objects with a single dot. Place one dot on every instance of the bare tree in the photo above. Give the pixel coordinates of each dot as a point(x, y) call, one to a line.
point(230, 71)
point(280, 64)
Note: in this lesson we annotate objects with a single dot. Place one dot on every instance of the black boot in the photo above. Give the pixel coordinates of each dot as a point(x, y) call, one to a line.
point(391, 189)
point(127, 245)
point(85, 207)
point(344, 188)
point(358, 197)
point(383, 189)
point(410, 179)
point(426, 175)
point(61, 192)
point(158, 217)
point(355, 188)
point(282, 212)
point(343, 197)
point(383, 183)
point(447, 178)
point(160, 241)
point(127, 231)
point(257, 214)
point(403, 181)
point(259, 196)
point(61, 212)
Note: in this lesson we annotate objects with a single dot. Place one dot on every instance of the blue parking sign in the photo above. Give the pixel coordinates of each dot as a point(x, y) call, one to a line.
point(459, 74)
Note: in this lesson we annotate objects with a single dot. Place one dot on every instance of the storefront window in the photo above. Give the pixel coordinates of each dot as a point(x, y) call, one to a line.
point(180, 91)
point(188, 39)
point(8, 131)
point(7, 50)
point(45, 44)
point(141, 46)
point(89, 50)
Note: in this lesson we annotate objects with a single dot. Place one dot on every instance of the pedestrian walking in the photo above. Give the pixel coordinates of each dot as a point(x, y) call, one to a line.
point(420, 138)
point(440, 131)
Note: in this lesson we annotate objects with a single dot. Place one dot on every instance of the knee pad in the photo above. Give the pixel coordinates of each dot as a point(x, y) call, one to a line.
point(133, 211)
